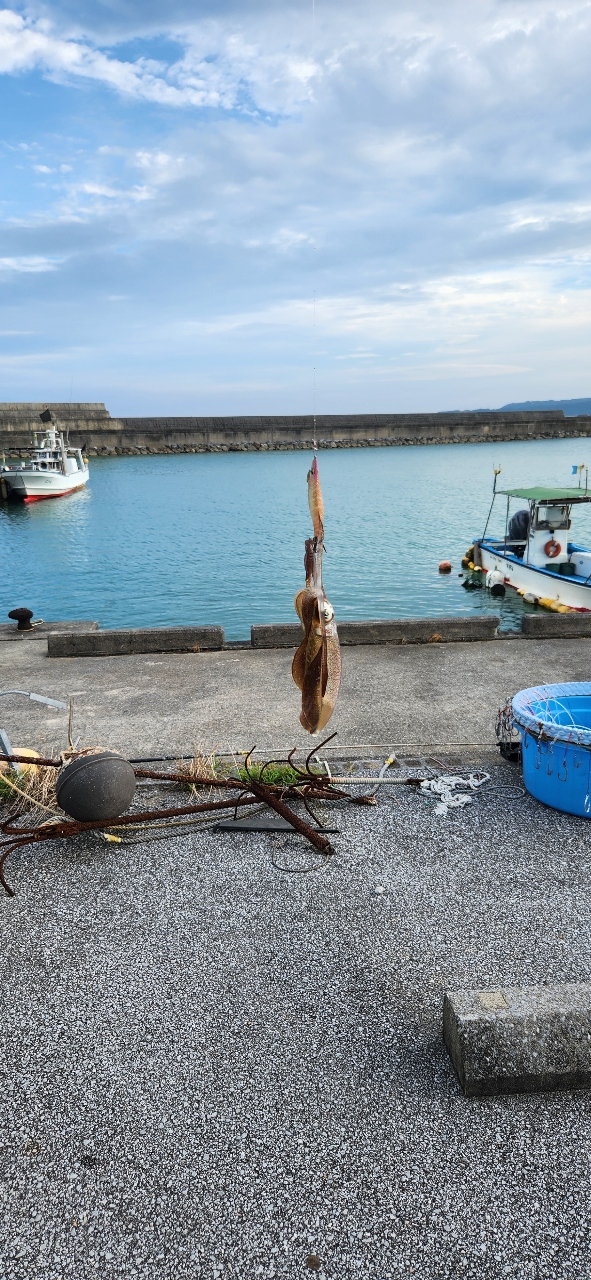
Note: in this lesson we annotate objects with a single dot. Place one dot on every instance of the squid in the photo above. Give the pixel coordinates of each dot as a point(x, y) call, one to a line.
point(316, 668)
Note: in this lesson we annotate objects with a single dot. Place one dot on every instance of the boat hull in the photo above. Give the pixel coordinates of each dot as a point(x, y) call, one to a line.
point(554, 590)
point(36, 486)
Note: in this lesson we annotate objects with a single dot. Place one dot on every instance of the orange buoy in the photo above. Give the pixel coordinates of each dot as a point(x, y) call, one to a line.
point(445, 566)
point(22, 751)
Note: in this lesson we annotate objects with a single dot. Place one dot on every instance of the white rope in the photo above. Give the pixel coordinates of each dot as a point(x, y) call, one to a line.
point(445, 788)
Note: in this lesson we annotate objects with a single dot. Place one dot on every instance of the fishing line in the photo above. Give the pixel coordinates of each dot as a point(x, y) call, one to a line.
point(314, 440)
point(314, 273)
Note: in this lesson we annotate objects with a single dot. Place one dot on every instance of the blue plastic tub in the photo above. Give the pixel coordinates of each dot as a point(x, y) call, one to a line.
point(554, 721)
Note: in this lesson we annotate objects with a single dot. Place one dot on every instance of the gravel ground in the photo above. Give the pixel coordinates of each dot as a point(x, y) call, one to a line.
point(214, 1068)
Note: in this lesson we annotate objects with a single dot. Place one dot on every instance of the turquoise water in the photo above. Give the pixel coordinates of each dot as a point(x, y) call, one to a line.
point(219, 538)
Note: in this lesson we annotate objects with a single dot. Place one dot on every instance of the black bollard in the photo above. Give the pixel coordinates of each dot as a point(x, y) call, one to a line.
point(23, 617)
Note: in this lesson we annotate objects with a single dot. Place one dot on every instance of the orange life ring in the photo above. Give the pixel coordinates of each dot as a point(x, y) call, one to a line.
point(552, 549)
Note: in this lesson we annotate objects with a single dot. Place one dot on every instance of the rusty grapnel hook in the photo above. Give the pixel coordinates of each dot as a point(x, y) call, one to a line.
point(271, 796)
point(308, 785)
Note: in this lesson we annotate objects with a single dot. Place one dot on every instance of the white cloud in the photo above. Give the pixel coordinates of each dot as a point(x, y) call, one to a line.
point(159, 167)
point(29, 263)
point(218, 67)
point(423, 169)
point(25, 46)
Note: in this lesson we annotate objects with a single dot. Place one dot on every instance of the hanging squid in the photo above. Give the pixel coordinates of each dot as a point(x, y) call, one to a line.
point(316, 667)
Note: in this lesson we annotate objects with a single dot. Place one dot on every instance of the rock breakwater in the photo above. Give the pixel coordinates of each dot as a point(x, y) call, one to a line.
point(92, 428)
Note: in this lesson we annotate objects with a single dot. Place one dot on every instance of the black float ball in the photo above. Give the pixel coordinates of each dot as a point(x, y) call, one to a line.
point(497, 589)
point(96, 788)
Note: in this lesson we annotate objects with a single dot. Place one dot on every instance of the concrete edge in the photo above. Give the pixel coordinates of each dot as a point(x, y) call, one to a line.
point(41, 630)
point(85, 640)
point(556, 626)
point(101, 644)
point(451, 1038)
point(463, 627)
point(278, 635)
point(520, 1039)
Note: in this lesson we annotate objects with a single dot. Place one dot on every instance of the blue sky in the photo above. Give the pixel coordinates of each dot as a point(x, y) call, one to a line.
point(200, 202)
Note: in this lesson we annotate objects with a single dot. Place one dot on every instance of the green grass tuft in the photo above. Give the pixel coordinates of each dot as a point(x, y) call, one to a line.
point(278, 775)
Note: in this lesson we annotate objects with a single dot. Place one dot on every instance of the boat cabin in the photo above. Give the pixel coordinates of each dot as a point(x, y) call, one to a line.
point(538, 534)
point(51, 454)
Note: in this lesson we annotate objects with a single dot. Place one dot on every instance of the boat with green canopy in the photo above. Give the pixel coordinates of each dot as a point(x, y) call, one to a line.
point(535, 556)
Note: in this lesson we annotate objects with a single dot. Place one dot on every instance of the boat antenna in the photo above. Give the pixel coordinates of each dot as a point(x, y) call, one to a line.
point(497, 472)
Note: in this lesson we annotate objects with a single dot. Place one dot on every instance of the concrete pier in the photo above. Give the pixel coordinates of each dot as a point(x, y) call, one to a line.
point(230, 699)
point(222, 1055)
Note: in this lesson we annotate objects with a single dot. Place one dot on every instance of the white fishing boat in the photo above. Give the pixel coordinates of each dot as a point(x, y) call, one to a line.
point(536, 556)
point(52, 471)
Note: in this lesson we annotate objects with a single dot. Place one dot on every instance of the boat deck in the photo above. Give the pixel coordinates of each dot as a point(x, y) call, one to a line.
point(497, 547)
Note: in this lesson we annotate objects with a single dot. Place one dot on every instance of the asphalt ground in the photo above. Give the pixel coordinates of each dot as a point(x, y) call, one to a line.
point(217, 1065)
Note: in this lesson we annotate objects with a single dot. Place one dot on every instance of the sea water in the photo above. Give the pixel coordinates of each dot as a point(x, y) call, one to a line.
point(219, 538)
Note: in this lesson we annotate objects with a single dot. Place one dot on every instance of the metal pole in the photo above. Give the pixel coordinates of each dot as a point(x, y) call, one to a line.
point(532, 512)
point(7, 750)
point(35, 697)
point(496, 473)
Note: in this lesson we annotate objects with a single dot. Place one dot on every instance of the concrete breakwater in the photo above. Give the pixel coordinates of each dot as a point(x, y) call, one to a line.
point(92, 428)
point(85, 640)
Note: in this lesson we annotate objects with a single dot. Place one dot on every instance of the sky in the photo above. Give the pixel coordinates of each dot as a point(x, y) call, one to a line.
point(227, 207)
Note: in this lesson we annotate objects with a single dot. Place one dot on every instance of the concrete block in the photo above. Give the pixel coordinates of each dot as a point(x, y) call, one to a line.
point(520, 1039)
point(388, 631)
point(9, 631)
point(100, 644)
point(555, 626)
point(420, 630)
point(279, 635)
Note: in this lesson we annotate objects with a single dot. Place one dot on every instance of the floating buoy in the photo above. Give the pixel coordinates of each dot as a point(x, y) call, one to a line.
point(495, 582)
point(96, 788)
point(21, 751)
point(445, 566)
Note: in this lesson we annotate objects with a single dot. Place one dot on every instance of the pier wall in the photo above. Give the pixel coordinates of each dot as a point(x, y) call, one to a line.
point(92, 428)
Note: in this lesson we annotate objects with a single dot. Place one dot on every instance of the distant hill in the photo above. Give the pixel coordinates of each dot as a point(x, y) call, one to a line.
point(570, 408)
